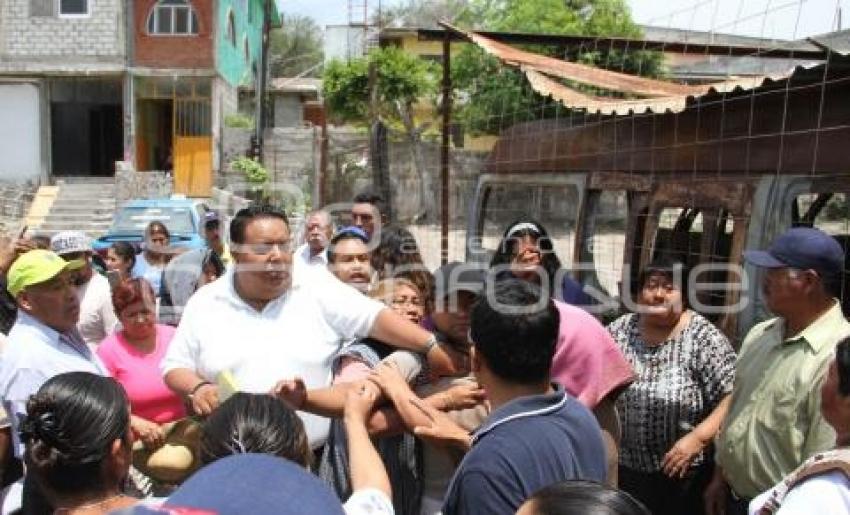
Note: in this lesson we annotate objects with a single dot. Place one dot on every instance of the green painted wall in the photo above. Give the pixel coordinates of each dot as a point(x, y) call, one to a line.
point(231, 63)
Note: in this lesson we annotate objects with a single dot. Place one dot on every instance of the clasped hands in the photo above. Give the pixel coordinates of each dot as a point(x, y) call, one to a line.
point(385, 383)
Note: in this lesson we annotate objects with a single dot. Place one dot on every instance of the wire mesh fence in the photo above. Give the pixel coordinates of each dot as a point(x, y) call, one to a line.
point(751, 145)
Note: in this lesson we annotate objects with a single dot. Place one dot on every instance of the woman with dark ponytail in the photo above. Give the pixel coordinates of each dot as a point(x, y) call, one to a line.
point(78, 445)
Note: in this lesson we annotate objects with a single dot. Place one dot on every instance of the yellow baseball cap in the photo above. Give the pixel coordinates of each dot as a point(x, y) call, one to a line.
point(35, 267)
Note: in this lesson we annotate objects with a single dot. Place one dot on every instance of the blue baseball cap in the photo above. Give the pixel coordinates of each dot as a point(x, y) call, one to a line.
point(803, 248)
point(258, 484)
point(211, 217)
point(350, 231)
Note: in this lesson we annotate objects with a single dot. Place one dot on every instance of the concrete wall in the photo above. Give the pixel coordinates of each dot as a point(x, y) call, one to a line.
point(191, 51)
point(231, 60)
point(234, 143)
point(288, 110)
point(292, 156)
point(407, 199)
point(33, 33)
point(349, 171)
point(225, 102)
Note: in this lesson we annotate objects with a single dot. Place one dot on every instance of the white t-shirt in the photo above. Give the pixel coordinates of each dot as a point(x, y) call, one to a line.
point(304, 266)
point(297, 334)
point(148, 272)
point(825, 494)
point(303, 256)
point(369, 501)
point(97, 317)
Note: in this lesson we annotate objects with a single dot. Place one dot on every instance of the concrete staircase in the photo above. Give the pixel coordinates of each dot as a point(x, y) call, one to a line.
point(84, 204)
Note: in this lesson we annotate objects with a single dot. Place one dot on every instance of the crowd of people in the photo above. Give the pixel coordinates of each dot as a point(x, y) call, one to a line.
point(340, 375)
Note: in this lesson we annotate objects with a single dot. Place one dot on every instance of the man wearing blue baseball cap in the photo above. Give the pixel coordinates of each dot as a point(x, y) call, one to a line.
point(349, 259)
point(774, 421)
point(212, 235)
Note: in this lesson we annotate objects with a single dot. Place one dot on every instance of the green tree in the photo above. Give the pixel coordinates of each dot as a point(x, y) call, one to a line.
point(296, 47)
point(400, 81)
point(493, 96)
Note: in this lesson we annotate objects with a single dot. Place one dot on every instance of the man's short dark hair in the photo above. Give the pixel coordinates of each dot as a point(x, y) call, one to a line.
point(247, 215)
point(346, 233)
point(513, 333)
point(370, 197)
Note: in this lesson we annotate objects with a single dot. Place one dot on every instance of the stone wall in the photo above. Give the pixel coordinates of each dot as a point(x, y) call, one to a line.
point(33, 29)
point(15, 199)
point(130, 184)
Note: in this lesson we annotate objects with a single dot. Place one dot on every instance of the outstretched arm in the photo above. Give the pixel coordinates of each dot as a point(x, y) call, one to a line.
point(366, 467)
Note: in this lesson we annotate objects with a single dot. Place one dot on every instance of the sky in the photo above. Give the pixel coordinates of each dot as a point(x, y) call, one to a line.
point(779, 19)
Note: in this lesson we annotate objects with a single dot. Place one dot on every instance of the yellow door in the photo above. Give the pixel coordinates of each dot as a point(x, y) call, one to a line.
point(192, 148)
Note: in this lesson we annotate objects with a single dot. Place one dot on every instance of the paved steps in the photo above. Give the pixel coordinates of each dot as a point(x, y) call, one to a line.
point(82, 204)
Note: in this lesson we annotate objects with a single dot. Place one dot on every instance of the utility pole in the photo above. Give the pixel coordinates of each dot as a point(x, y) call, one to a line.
point(262, 81)
point(445, 147)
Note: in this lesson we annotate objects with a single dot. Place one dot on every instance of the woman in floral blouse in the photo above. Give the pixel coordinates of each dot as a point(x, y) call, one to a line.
point(685, 369)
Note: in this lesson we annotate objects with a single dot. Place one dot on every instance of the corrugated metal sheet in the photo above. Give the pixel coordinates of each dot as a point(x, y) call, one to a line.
point(655, 95)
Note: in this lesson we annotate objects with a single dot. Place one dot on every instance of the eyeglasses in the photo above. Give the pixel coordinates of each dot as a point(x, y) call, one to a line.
point(138, 317)
point(264, 249)
point(407, 301)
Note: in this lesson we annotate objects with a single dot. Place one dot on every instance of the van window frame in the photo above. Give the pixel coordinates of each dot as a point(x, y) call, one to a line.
point(710, 195)
point(474, 252)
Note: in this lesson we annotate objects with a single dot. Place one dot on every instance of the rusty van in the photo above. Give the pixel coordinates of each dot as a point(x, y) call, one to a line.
point(728, 173)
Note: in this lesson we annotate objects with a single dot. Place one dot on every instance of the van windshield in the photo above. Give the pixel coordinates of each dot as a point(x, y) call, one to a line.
point(133, 220)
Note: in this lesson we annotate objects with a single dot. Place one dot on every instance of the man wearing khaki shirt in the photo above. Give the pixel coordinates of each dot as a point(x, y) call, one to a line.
point(774, 421)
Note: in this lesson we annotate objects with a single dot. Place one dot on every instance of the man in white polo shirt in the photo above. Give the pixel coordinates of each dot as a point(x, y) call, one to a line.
point(317, 234)
point(253, 326)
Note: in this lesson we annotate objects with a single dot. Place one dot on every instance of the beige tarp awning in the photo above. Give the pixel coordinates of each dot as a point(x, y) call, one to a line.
point(655, 95)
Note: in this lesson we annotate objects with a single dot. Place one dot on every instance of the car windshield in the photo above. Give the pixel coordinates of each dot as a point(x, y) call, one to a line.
point(133, 220)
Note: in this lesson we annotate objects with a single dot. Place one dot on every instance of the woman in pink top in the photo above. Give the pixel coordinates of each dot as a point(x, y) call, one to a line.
point(132, 355)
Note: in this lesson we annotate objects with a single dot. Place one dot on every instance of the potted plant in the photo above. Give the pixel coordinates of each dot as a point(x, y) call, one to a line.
point(256, 176)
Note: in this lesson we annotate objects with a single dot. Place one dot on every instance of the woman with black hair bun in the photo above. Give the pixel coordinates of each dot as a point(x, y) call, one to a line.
point(258, 424)
point(581, 498)
point(78, 445)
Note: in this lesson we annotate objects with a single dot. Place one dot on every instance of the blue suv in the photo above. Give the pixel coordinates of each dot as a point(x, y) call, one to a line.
point(183, 217)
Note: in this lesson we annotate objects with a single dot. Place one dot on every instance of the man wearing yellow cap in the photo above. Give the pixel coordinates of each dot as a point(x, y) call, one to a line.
point(44, 341)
